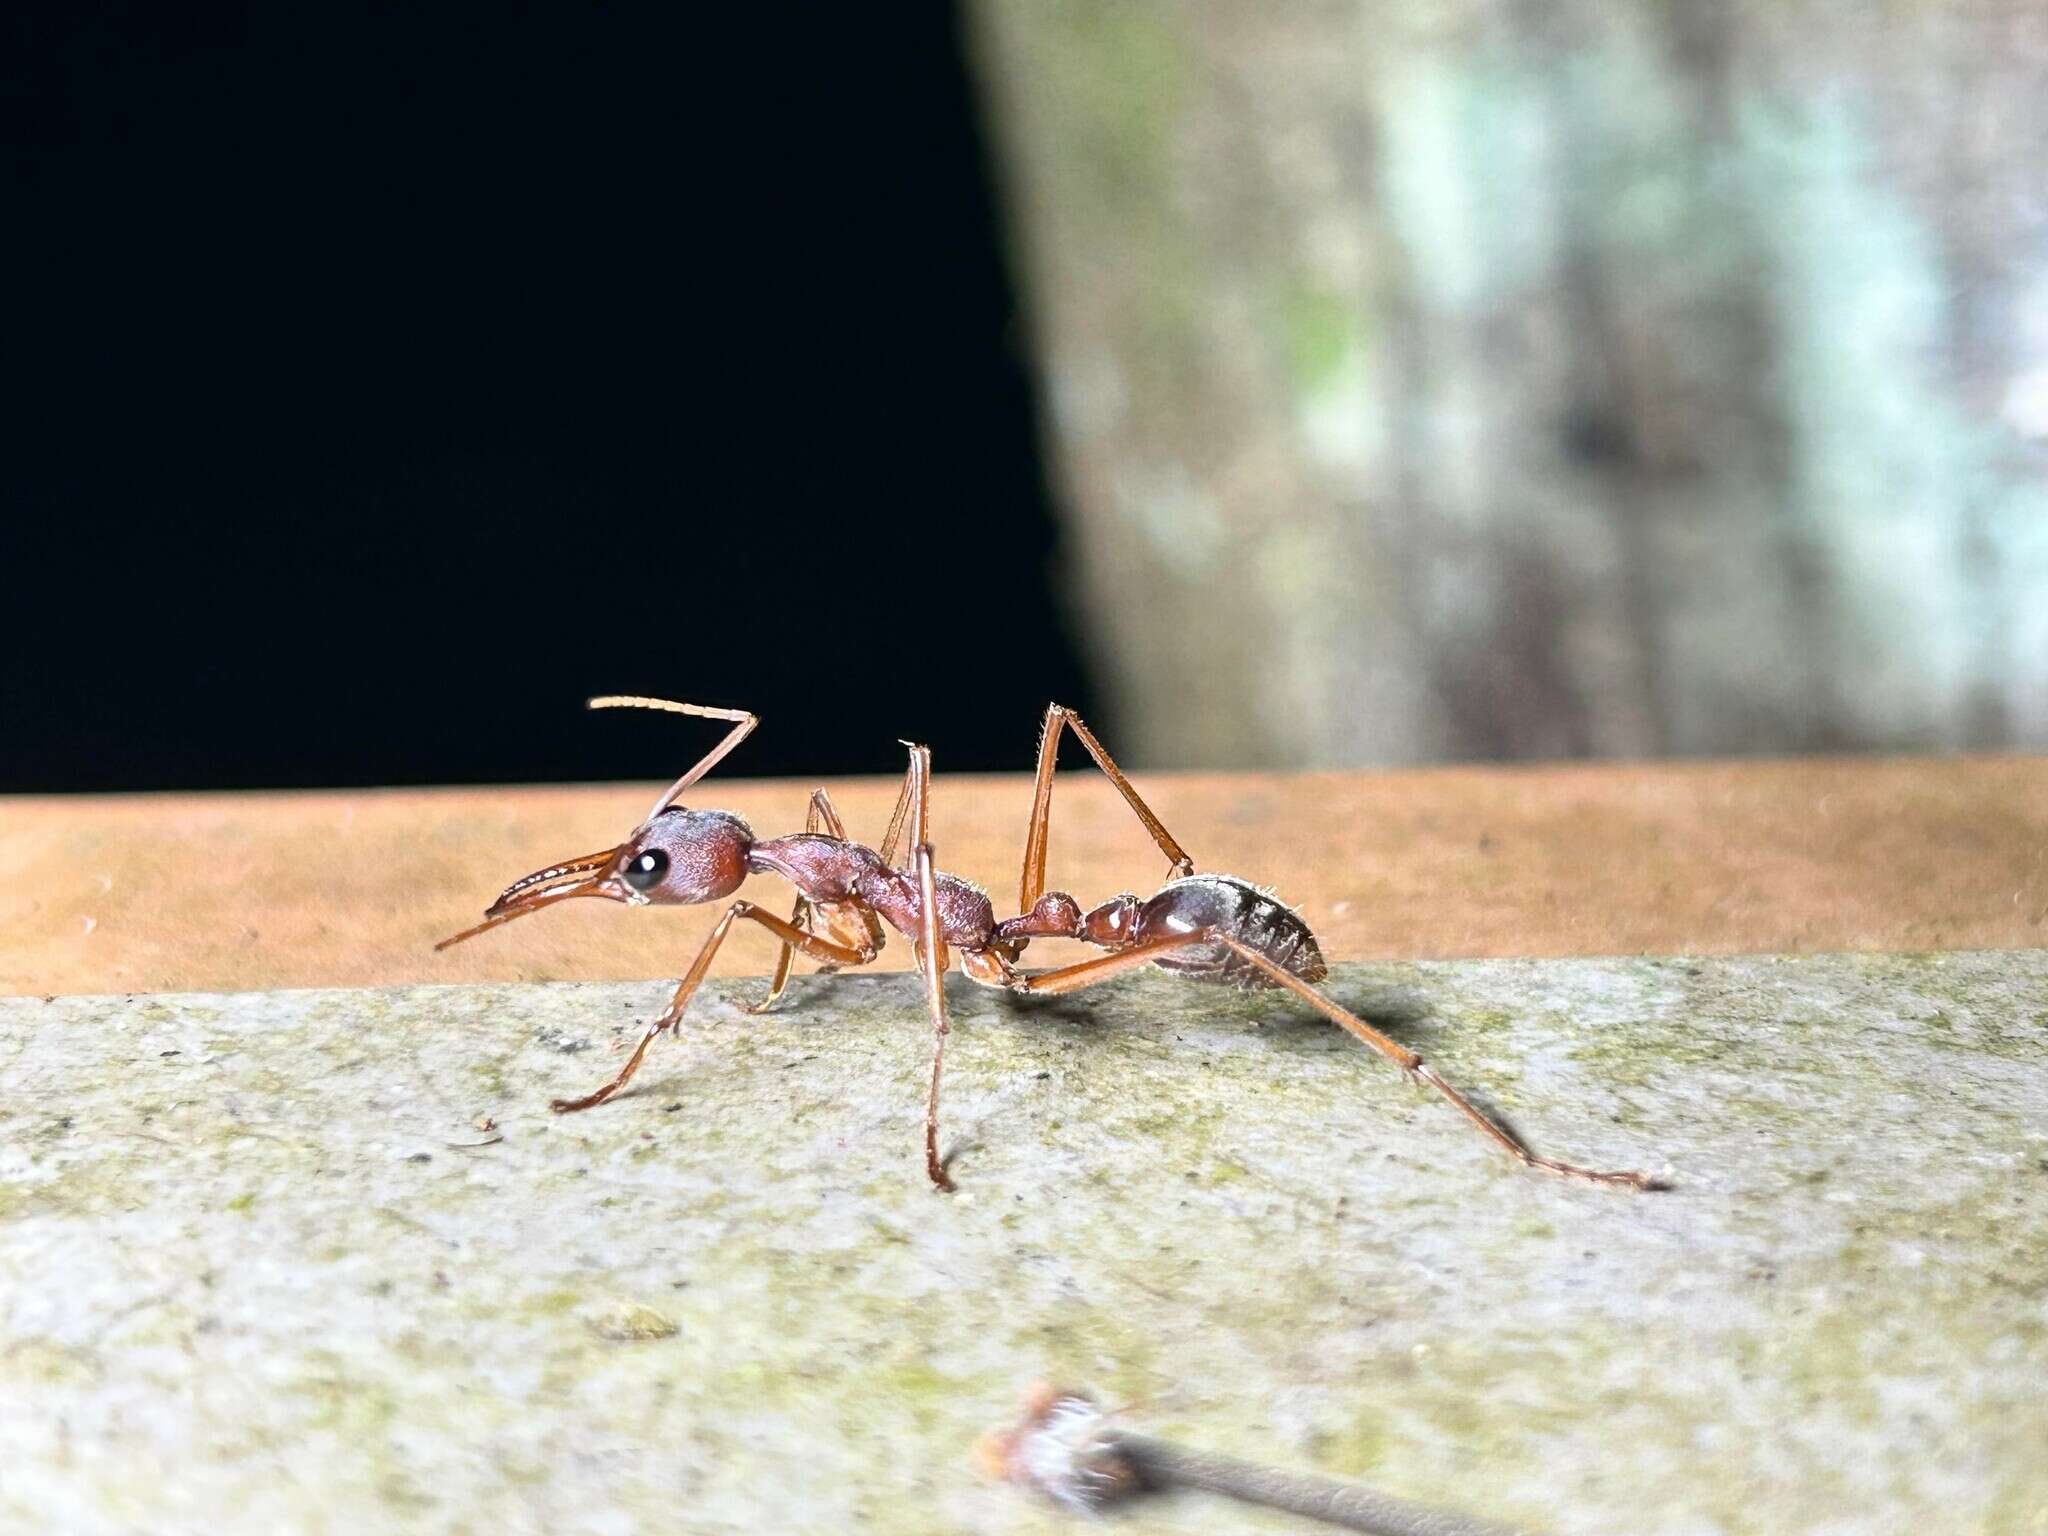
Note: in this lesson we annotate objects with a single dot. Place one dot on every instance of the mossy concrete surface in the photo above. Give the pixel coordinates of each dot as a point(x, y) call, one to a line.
point(261, 1270)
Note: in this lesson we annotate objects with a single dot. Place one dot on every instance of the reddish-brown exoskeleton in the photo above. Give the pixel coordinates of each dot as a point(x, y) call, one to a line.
point(1212, 928)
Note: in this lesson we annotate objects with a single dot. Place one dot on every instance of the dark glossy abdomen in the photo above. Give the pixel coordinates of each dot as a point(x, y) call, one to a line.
point(1243, 911)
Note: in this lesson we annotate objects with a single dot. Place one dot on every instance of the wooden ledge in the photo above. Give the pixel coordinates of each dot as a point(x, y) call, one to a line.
point(351, 888)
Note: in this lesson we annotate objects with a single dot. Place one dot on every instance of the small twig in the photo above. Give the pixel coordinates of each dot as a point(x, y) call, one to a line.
point(1344, 1505)
point(1066, 1449)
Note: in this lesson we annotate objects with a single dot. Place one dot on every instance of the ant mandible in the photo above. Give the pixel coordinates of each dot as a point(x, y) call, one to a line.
point(1211, 928)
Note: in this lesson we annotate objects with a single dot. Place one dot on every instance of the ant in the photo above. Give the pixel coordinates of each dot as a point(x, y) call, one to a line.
point(1209, 928)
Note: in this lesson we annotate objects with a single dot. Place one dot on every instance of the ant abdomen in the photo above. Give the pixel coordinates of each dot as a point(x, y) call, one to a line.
point(1239, 909)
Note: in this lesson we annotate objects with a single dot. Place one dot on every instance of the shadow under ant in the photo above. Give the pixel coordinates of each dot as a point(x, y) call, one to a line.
point(1402, 1012)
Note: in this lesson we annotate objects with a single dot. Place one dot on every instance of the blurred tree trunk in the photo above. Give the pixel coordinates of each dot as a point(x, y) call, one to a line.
point(1510, 379)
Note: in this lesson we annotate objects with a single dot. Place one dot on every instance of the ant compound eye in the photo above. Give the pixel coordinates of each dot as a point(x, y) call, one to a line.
point(646, 871)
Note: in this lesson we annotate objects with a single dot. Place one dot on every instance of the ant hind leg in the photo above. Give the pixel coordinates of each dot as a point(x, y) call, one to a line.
point(1088, 973)
point(1037, 840)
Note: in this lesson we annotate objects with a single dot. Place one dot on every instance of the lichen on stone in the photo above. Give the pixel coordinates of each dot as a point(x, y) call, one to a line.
point(276, 1283)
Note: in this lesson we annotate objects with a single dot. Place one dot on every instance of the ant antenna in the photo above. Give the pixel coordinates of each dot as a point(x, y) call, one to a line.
point(744, 723)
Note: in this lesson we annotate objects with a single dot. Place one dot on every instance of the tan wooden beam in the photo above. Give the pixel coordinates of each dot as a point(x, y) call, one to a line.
point(221, 892)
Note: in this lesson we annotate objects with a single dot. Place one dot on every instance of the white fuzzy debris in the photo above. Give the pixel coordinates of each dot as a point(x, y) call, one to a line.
point(1070, 1457)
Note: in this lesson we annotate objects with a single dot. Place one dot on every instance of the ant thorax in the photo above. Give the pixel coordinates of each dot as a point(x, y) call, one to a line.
point(823, 867)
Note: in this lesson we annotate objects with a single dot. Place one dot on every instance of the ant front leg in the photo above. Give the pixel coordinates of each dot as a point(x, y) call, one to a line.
point(820, 814)
point(672, 1015)
point(1037, 840)
point(1089, 973)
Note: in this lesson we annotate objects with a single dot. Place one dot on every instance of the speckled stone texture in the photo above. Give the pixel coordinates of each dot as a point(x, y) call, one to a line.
point(257, 1273)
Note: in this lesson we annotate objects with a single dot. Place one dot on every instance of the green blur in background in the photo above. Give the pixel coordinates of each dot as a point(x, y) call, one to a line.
point(1482, 380)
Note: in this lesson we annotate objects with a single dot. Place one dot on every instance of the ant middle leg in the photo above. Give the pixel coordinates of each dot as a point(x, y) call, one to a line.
point(931, 963)
point(672, 1015)
point(915, 807)
point(1037, 840)
point(913, 817)
point(1088, 973)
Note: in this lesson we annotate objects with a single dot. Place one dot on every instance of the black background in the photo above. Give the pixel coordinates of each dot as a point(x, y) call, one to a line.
point(385, 380)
